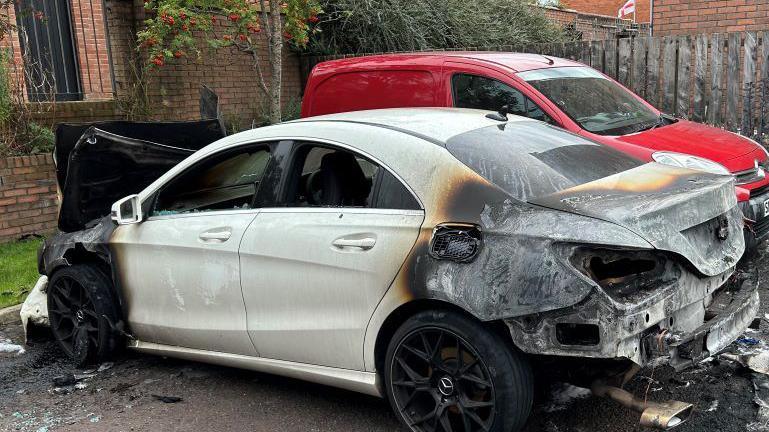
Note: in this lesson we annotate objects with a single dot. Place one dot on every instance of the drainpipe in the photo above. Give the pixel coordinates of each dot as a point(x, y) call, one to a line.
point(651, 17)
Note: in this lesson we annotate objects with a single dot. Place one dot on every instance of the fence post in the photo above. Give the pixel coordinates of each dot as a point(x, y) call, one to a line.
point(596, 55)
point(700, 70)
point(625, 51)
point(638, 77)
point(716, 78)
point(669, 55)
point(748, 84)
point(733, 81)
point(610, 57)
point(684, 75)
point(764, 86)
point(653, 72)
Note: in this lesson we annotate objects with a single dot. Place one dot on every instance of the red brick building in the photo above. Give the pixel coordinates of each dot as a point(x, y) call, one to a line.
point(611, 7)
point(674, 17)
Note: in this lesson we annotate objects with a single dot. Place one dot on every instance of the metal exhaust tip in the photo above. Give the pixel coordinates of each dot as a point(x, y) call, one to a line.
point(666, 415)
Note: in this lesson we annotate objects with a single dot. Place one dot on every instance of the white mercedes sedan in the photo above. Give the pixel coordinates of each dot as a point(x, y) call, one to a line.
point(430, 256)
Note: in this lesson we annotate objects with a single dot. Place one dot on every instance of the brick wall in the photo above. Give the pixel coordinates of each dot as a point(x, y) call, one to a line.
point(591, 26)
point(89, 31)
point(676, 17)
point(174, 90)
point(28, 199)
point(610, 8)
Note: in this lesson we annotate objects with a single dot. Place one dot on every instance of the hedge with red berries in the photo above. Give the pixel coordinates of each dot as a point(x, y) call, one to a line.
point(182, 28)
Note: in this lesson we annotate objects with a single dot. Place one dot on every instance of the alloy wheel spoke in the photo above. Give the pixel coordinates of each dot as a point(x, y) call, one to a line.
point(475, 380)
point(410, 372)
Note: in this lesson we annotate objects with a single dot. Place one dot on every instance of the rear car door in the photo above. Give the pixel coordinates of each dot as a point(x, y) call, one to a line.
point(179, 269)
point(314, 269)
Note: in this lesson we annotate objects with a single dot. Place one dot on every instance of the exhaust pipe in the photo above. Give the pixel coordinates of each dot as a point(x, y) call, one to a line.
point(658, 415)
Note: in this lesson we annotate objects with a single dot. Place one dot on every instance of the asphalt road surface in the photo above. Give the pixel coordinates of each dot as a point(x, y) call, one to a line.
point(146, 393)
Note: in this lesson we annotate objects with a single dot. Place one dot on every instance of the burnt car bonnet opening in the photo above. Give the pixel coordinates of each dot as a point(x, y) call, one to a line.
point(99, 163)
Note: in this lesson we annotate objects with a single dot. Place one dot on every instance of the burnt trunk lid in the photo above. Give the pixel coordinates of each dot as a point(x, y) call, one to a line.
point(686, 212)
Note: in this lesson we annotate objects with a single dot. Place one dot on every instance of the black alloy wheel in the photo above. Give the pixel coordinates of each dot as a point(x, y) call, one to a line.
point(82, 314)
point(440, 383)
point(437, 380)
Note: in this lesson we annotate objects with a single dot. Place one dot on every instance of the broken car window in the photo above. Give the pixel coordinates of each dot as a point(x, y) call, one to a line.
point(473, 91)
point(223, 182)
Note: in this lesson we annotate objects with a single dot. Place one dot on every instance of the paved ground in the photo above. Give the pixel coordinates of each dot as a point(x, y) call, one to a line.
point(119, 397)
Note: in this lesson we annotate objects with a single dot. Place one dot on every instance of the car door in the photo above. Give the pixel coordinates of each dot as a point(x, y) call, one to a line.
point(486, 89)
point(314, 269)
point(179, 268)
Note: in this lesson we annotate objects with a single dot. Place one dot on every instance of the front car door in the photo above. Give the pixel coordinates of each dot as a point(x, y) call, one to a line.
point(179, 269)
point(314, 269)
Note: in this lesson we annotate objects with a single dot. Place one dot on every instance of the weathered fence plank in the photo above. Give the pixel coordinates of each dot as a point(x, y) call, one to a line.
point(638, 78)
point(716, 77)
point(764, 86)
point(669, 74)
point(596, 55)
point(733, 81)
point(748, 83)
point(623, 59)
point(653, 73)
point(610, 57)
point(684, 74)
point(700, 72)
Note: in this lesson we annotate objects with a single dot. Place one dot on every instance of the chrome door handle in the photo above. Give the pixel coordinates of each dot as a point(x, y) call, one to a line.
point(215, 236)
point(364, 243)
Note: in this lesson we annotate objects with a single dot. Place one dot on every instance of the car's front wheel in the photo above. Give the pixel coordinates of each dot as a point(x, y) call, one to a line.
point(82, 312)
point(445, 372)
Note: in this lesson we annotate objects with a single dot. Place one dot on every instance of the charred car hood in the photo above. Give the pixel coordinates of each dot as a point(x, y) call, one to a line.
point(97, 164)
point(686, 212)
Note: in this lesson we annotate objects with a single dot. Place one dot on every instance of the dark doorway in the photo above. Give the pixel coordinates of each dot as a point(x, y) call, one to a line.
point(45, 36)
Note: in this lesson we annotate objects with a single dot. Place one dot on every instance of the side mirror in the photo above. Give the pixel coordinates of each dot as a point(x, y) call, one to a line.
point(127, 211)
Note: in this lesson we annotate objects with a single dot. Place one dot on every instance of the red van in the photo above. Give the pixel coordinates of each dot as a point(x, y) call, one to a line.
point(561, 92)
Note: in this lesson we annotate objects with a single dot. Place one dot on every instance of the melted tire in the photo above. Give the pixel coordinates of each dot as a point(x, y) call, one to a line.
point(82, 312)
point(508, 372)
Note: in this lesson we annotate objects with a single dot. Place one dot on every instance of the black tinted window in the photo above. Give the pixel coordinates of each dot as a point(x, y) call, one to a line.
point(222, 182)
point(473, 91)
point(323, 176)
point(530, 160)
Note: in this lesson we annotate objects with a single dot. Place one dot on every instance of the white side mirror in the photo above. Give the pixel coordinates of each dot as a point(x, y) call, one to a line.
point(127, 211)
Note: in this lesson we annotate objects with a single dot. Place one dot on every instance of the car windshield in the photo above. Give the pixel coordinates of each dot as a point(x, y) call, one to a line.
point(597, 103)
point(530, 159)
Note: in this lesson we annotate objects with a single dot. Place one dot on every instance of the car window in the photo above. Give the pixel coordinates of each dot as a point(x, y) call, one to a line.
point(324, 176)
point(222, 182)
point(473, 91)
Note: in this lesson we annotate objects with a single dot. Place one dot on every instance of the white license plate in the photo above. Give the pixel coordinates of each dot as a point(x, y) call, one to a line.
point(766, 208)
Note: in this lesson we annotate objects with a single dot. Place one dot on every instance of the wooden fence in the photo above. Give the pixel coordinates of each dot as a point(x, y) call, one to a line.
point(721, 79)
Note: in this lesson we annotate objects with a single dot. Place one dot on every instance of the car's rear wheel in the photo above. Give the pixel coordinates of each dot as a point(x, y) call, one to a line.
point(82, 313)
point(445, 372)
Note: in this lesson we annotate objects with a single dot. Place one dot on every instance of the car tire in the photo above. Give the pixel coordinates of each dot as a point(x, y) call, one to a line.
point(446, 372)
point(82, 312)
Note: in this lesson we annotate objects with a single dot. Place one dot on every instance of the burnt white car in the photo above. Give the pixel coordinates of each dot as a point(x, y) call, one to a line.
point(423, 255)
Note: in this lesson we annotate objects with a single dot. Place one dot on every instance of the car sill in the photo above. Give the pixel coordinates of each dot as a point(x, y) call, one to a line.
point(358, 381)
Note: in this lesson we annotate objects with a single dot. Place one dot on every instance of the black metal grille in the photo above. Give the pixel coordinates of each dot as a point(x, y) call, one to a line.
point(761, 228)
point(455, 245)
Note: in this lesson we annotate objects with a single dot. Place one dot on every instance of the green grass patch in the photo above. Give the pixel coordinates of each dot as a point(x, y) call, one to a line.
point(18, 270)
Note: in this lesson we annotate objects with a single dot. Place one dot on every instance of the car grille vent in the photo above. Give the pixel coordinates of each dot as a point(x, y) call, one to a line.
point(456, 243)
